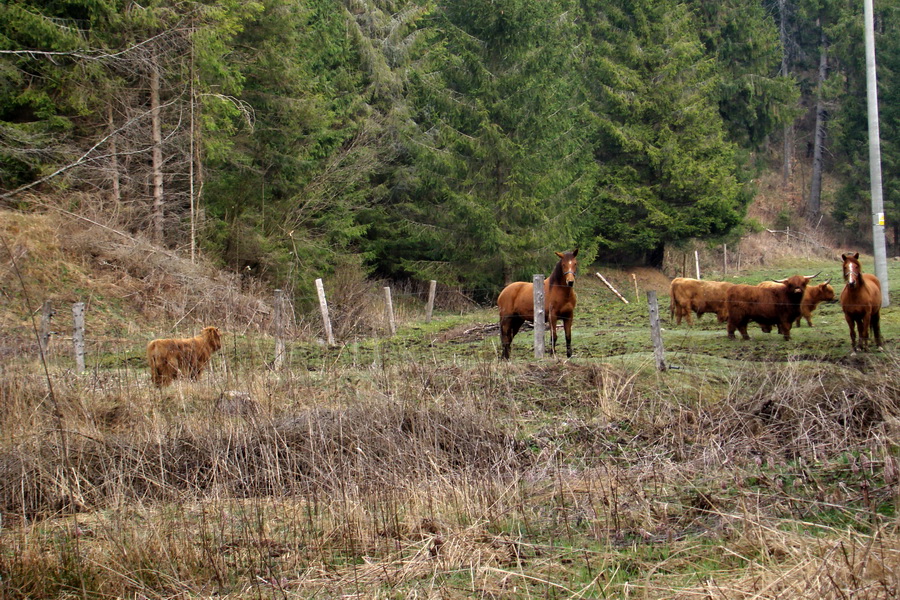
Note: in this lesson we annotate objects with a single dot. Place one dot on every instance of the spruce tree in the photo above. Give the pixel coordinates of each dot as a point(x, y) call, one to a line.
point(666, 172)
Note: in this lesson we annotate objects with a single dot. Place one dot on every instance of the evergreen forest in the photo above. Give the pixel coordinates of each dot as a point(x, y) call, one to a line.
point(462, 141)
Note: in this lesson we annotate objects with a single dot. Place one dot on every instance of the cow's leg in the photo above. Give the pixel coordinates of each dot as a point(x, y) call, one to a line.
point(742, 327)
point(730, 328)
point(784, 328)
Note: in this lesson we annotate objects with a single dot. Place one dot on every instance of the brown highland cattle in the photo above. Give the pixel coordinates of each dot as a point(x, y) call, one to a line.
point(687, 295)
point(171, 358)
point(812, 297)
point(861, 301)
point(778, 306)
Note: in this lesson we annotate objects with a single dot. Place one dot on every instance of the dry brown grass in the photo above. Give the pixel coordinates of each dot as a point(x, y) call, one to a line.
point(573, 480)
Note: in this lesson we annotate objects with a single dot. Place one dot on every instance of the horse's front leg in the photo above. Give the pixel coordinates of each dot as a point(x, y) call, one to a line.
point(864, 332)
point(851, 323)
point(567, 326)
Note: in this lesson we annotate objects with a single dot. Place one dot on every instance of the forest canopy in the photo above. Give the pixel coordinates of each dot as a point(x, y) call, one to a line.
point(462, 141)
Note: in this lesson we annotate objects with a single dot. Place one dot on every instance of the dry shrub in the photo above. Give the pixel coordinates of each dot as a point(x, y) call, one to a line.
point(355, 302)
point(312, 451)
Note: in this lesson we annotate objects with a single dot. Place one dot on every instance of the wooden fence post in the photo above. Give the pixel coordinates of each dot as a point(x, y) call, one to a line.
point(323, 307)
point(637, 293)
point(279, 329)
point(78, 335)
point(697, 262)
point(429, 308)
point(655, 333)
point(47, 313)
point(389, 311)
point(539, 317)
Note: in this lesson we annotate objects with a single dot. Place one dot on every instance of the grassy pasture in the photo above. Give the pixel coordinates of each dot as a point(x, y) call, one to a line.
point(420, 466)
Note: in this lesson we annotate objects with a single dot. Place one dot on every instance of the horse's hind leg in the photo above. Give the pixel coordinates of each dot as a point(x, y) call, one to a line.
point(876, 329)
point(509, 327)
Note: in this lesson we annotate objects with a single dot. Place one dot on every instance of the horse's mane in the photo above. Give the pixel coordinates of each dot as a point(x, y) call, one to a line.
point(557, 274)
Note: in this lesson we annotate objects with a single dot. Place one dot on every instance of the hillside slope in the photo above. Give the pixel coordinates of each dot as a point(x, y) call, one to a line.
point(130, 288)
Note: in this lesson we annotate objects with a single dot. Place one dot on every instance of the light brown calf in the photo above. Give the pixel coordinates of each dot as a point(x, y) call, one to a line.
point(170, 358)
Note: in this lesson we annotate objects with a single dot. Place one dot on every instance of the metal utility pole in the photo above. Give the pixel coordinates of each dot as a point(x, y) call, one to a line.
point(879, 250)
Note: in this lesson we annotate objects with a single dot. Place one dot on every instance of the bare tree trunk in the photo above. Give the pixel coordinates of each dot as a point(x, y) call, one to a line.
point(115, 194)
point(156, 128)
point(788, 135)
point(191, 164)
point(814, 203)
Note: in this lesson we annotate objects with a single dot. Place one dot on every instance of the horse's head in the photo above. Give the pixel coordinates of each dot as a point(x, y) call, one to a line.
point(568, 264)
point(852, 274)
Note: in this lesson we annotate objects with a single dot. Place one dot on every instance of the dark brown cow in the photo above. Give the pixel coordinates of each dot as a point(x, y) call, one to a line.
point(687, 295)
point(812, 297)
point(778, 306)
point(861, 301)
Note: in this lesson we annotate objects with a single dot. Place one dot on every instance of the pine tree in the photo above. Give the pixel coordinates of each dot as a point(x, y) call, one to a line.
point(500, 164)
point(666, 170)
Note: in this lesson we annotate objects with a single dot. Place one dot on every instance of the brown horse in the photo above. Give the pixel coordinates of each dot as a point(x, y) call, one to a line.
point(861, 301)
point(516, 303)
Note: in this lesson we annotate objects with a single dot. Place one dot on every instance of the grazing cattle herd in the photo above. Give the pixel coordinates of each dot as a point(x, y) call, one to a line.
point(783, 303)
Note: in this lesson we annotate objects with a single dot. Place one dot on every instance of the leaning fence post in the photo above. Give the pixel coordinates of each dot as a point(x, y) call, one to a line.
point(539, 318)
point(78, 335)
point(279, 329)
point(655, 334)
point(389, 310)
point(432, 287)
point(47, 313)
point(611, 288)
point(323, 307)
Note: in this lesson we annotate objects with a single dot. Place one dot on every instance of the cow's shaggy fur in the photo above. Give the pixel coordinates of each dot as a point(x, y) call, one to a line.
point(699, 296)
point(171, 358)
point(778, 305)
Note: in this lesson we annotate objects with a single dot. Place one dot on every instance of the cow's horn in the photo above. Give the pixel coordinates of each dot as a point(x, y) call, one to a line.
point(779, 280)
point(812, 276)
point(827, 281)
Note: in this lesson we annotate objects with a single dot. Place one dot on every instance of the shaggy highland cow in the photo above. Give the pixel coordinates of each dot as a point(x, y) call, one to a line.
point(171, 358)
